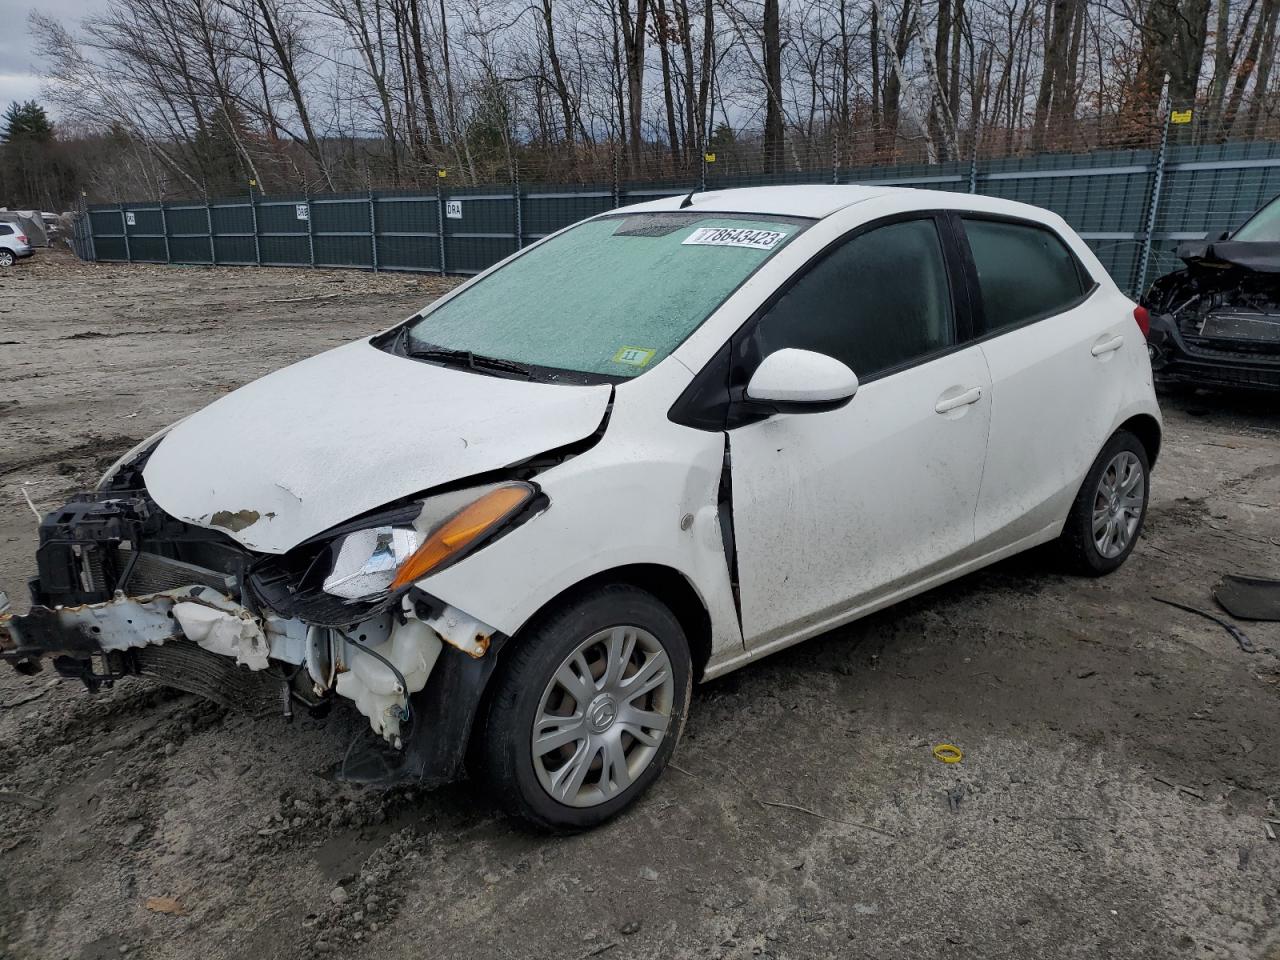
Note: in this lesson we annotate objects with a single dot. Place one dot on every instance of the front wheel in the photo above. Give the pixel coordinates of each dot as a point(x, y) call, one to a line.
point(1108, 512)
point(587, 709)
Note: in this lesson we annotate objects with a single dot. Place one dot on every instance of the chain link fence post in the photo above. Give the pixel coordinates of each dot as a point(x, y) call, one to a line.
point(973, 170)
point(515, 192)
point(1153, 207)
point(208, 220)
point(616, 196)
point(124, 226)
point(88, 226)
point(373, 230)
point(440, 217)
point(311, 236)
point(164, 228)
point(257, 237)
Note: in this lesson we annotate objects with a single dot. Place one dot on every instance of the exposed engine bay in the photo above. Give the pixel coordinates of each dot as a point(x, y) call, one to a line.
point(1217, 322)
point(1223, 304)
point(125, 589)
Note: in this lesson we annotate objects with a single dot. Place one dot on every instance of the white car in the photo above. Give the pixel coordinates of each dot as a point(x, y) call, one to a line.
point(515, 529)
point(14, 245)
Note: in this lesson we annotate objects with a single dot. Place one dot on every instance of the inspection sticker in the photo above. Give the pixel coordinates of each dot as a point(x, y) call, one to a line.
point(633, 356)
point(736, 237)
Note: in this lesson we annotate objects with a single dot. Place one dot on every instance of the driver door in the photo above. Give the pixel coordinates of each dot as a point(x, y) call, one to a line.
point(834, 510)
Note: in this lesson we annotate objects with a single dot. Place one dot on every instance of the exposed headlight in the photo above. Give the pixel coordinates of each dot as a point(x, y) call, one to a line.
point(373, 562)
point(367, 561)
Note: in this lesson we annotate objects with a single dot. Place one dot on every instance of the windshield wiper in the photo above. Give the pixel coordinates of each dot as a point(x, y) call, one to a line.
point(465, 358)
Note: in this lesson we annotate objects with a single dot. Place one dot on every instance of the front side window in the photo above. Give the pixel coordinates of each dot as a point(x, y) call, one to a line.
point(1025, 272)
point(610, 297)
point(878, 301)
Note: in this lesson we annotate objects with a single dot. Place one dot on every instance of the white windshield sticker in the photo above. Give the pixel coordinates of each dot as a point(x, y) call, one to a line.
point(736, 237)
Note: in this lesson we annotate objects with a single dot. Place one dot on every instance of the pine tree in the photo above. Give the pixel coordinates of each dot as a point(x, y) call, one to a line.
point(26, 121)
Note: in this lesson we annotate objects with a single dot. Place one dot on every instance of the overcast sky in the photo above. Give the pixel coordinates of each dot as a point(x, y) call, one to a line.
point(18, 77)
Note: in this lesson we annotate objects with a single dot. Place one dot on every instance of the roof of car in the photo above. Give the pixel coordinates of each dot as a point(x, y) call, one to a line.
point(816, 201)
point(799, 200)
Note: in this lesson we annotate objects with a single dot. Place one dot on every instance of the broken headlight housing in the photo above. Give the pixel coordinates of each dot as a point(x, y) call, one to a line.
point(375, 561)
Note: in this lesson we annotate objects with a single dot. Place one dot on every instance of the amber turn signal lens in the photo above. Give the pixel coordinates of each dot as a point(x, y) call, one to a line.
point(462, 529)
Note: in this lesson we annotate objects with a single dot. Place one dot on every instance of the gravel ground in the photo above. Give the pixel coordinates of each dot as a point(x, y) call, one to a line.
point(1119, 756)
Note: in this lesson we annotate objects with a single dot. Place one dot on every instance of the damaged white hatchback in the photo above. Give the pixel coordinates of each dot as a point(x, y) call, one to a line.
point(515, 529)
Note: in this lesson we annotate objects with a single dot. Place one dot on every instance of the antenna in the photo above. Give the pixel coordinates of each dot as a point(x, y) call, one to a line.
point(688, 201)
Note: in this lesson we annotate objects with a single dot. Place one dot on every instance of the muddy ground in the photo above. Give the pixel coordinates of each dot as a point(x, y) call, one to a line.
point(1120, 756)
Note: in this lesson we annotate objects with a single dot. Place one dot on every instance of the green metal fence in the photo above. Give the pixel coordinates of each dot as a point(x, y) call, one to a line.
point(1132, 206)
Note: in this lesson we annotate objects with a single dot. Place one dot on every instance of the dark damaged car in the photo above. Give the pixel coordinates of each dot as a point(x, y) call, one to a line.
point(1216, 322)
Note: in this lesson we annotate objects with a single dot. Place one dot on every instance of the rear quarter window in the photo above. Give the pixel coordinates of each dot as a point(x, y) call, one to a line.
point(5, 231)
point(1025, 272)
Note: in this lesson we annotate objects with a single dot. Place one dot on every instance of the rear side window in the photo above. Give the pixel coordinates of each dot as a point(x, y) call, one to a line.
point(5, 231)
point(1025, 272)
point(878, 301)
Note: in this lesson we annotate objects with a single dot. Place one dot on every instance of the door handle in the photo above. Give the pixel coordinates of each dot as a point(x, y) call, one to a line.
point(946, 404)
point(1106, 346)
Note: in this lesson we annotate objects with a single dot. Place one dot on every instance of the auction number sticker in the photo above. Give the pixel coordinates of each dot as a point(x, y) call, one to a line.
point(634, 356)
point(735, 237)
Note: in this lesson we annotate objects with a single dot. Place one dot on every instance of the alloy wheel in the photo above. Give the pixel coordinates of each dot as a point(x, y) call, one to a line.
point(603, 716)
point(1117, 504)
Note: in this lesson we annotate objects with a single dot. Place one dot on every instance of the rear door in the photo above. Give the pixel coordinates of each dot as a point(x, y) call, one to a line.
point(833, 509)
point(1054, 340)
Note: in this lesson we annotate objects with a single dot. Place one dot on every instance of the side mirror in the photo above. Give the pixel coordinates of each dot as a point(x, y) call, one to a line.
point(802, 381)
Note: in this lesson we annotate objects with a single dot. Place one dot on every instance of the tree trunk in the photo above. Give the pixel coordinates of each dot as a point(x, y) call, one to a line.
point(774, 133)
point(557, 73)
point(940, 73)
point(633, 39)
point(662, 33)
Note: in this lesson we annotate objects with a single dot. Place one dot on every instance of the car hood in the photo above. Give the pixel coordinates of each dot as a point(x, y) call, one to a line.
point(1248, 255)
point(317, 443)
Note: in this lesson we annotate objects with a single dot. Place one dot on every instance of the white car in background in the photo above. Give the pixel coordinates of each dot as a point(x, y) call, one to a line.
point(14, 244)
point(651, 448)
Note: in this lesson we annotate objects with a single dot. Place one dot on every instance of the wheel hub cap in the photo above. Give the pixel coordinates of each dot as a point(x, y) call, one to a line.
point(603, 711)
point(1118, 504)
point(603, 716)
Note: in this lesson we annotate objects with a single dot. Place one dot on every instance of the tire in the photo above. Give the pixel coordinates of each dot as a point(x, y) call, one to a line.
point(646, 639)
point(1097, 554)
point(7, 259)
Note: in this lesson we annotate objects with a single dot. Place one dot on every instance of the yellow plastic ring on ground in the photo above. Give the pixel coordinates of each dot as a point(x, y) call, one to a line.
point(947, 753)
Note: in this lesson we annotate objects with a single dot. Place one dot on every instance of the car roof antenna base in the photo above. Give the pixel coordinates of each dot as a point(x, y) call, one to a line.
point(688, 201)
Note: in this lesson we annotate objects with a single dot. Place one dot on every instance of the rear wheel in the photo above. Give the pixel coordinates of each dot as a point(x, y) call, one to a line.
point(1108, 512)
point(587, 709)
point(7, 258)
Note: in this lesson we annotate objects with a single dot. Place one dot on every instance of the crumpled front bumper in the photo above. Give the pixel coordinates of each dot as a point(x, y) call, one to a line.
point(418, 681)
point(1176, 360)
point(123, 623)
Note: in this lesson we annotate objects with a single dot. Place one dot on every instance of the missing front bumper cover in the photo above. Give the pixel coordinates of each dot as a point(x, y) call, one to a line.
point(201, 641)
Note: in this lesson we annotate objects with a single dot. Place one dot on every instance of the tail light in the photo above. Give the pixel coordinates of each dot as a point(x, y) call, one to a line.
point(1143, 316)
point(22, 239)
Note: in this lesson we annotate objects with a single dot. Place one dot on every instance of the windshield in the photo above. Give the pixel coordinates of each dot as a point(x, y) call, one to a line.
point(609, 297)
point(1263, 226)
